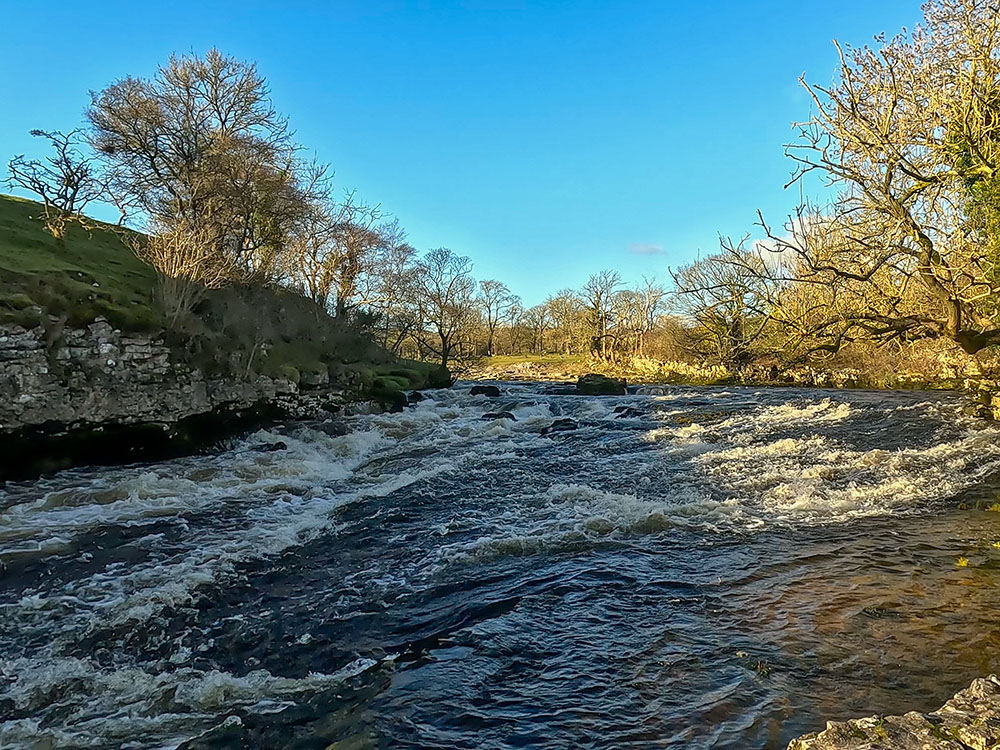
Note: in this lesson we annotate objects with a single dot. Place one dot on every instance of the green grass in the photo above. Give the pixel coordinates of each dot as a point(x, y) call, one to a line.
point(234, 331)
point(92, 273)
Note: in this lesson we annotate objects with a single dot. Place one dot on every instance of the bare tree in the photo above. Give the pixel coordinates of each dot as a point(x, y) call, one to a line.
point(599, 292)
point(395, 293)
point(66, 182)
point(359, 241)
point(496, 301)
point(569, 320)
point(910, 134)
point(724, 299)
point(537, 321)
point(447, 298)
point(515, 313)
point(649, 301)
point(200, 146)
point(187, 267)
point(311, 241)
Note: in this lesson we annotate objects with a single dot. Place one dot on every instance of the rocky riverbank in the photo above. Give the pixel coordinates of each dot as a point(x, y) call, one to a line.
point(969, 721)
point(98, 395)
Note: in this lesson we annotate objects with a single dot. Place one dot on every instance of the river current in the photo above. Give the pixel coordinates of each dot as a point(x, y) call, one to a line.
point(676, 568)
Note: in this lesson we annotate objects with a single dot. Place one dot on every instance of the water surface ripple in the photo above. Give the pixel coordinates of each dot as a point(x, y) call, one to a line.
point(680, 568)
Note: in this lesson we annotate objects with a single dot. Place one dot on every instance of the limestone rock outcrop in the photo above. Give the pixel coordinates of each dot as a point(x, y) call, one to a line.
point(89, 385)
point(969, 721)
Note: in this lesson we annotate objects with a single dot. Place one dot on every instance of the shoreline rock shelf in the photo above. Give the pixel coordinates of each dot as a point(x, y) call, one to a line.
point(101, 396)
point(969, 721)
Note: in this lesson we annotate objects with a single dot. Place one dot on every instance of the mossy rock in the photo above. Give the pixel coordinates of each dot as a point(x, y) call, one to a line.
point(390, 383)
point(600, 385)
point(288, 372)
point(388, 393)
point(417, 375)
point(428, 374)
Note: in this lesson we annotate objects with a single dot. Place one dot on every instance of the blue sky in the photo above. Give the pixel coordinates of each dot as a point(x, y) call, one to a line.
point(546, 140)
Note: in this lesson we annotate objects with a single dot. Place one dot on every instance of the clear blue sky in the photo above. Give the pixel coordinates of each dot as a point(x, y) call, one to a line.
point(546, 140)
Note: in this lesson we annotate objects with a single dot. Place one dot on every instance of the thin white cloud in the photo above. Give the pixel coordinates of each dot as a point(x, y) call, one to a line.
point(645, 248)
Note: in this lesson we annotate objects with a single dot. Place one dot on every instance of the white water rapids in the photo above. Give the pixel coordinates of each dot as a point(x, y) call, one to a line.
point(434, 579)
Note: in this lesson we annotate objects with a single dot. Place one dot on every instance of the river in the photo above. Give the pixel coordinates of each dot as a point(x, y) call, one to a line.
point(677, 568)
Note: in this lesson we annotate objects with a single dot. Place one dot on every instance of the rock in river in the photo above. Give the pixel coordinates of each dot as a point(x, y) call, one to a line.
point(600, 385)
point(560, 425)
point(489, 416)
point(485, 390)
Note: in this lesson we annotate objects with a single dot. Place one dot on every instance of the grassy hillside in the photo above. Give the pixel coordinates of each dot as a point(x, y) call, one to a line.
point(92, 274)
point(235, 331)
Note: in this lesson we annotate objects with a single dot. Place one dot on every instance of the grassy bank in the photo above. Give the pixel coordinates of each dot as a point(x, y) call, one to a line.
point(90, 274)
point(567, 368)
point(237, 332)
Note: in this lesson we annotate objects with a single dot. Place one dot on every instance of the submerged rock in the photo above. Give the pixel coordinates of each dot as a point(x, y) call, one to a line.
point(277, 445)
point(490, 416)
point(332, 428)
point(560, 425)
point(977, 410)
point(627, 412)
point(485, 390)
point(969, 721)
point(600, 385)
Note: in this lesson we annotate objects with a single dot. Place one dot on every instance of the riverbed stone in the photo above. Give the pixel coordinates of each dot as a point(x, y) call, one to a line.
point(969, 721)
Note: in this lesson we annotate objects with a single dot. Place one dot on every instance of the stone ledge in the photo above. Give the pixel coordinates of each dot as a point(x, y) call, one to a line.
point(969, 721)
point(98, 387)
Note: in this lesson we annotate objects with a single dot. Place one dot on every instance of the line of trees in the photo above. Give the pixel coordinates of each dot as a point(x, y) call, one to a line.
point(908, 137)
point(198, 158)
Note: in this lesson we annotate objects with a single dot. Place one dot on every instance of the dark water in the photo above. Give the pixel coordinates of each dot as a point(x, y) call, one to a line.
point(703, 568)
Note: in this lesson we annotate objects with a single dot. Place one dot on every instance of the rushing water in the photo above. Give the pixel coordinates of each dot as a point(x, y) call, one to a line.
point(702, 568)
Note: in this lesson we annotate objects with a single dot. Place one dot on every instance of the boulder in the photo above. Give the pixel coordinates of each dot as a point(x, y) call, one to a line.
point(489, 416)
point(415, 396)
point(332, 428)
point(390, 400)
point(393, 401)
point(600, 385)
point(491, 391)
point(314, 379)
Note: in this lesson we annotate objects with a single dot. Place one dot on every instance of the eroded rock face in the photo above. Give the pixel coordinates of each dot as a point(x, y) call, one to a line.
point(101, 380)
point(97, 374)
point(969, 721)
